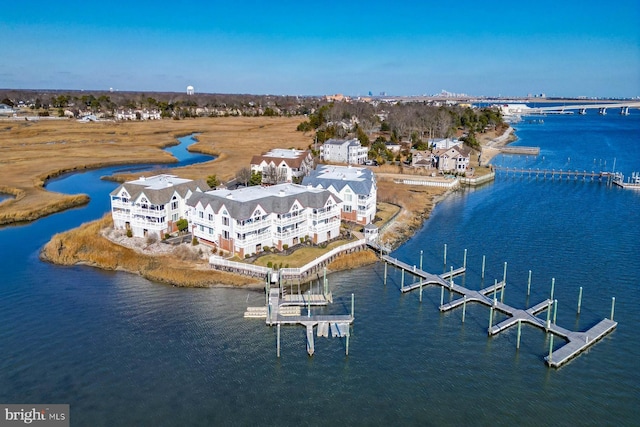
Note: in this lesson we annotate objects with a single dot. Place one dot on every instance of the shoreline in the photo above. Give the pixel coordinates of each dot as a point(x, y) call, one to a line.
point(80, 246)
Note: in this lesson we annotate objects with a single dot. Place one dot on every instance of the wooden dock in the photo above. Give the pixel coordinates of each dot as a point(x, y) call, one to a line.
point(553, 174)
point(576, 343)
point(287, 310)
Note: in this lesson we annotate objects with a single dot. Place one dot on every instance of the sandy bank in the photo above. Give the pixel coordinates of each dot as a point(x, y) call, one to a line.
point(491, 147)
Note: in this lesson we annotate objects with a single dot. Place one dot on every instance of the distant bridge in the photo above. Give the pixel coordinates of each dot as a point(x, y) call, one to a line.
point(524, 110)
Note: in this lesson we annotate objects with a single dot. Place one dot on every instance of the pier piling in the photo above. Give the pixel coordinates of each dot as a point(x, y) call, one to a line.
point(385, 274)
point(548, 324)
point(613, 306)
point(555, 310)
point(464, 308)
point(483, 262)
point(441, 295)
point(518, 338)
point(490, 319)
point(504, 275)
point(445, 254)
point(420, 260)
point(278, 341)
point(464, 262)
point(579, 299)
point(529, 284)
point(451, 278)
point(553, 285)
point(550, 348)
point(353, 304)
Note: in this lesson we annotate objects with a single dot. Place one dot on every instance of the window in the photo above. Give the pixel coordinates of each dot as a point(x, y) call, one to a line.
point(225, 234)
point(201, 214)
point(174, 217)
point(210, 231)
point(346, 208)
point(210, 217)
point(225, 220)
point(174, 205)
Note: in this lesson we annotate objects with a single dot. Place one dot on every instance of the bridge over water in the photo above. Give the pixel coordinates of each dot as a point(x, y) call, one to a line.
point(525, 110)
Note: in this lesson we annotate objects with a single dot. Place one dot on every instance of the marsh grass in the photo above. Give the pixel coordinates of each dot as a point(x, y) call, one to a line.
point(86, 245)
point(33, 152)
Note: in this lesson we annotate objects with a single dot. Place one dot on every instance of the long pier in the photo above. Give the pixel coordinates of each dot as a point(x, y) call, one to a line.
point(558, 174)
point(577, 342)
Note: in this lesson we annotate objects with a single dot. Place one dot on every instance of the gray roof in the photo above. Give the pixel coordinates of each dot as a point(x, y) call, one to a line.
point(161, 196)
point(281, 202)
point(333, 141)
point(326, 176)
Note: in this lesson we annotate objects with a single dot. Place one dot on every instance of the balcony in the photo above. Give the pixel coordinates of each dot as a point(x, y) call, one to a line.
point(149, 212)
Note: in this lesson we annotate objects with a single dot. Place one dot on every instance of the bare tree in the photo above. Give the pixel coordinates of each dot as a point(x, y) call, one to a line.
point(244, 176)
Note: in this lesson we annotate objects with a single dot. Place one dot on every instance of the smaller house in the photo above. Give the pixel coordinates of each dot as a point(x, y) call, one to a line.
point(283, 165)
point(453, 160)
point(6, 110)
point(422, 159)
point(438, 143)
point(348, 151)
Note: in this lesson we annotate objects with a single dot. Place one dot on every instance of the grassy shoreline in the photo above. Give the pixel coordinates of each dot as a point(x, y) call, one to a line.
point(86, 245)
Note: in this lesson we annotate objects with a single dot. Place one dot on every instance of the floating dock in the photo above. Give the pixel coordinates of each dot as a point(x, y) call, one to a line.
point(577, 342)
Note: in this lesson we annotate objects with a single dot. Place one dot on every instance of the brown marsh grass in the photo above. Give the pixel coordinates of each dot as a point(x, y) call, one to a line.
point(33, 151)
point(85, 245)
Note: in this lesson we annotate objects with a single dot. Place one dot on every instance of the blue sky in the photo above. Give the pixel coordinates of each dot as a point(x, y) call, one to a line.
point(561, 48)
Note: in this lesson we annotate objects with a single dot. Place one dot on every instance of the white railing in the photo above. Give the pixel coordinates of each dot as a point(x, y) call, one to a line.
point(478, 180)
point(216, 261)
point(441, 184)
point(144, 211)
point(302, 270)
point(239, 266)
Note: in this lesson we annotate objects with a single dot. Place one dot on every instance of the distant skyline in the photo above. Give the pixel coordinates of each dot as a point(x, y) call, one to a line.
point(569, 48)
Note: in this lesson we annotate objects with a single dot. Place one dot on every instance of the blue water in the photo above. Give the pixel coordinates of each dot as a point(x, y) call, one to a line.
point(124, 351)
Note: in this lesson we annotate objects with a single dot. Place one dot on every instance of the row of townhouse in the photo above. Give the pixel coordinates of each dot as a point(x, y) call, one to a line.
point(348, 151)
point(245, 220)
point(356, 186)
point(131, 114)
point(153, 205)
point(283, 165)
point(454, 159)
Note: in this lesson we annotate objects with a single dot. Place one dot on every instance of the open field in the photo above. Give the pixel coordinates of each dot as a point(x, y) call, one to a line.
point(33, 151)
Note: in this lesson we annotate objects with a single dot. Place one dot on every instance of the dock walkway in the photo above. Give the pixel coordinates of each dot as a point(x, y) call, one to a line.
point(576, 343)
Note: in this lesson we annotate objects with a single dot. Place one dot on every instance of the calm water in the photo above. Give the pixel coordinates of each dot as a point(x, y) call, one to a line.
point(124, 351)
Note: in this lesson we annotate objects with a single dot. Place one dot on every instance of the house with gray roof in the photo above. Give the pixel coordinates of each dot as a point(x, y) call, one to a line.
point(152, 205)
point(282, 165)
point(247, 220)
point(356, 186)
point(348, 151)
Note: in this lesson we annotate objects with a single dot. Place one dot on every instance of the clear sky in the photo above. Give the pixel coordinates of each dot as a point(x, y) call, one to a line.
point(510, 48)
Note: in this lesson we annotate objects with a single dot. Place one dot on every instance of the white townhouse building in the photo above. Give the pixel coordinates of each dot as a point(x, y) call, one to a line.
point(454, 159)
point(356, 186)
point(131, 114)
point(152, 205)
point(283, 165)
point(348, 151)
point(438, 143)
point(246, 220)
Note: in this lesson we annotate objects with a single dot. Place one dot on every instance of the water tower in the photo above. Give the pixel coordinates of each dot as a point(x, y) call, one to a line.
point(190, 90)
